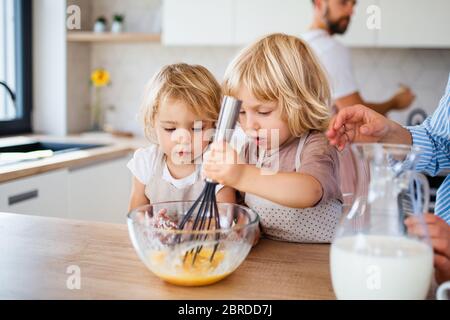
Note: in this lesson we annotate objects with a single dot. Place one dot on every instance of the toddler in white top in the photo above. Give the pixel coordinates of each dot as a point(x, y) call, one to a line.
point(179, 111)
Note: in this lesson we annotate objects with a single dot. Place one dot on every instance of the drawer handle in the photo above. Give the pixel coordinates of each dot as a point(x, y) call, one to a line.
point(23, 197)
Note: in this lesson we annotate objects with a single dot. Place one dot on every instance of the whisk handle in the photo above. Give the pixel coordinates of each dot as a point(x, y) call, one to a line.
point(229, 113)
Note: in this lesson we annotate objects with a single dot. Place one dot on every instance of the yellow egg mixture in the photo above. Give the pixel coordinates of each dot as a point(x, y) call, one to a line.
point(198, 274)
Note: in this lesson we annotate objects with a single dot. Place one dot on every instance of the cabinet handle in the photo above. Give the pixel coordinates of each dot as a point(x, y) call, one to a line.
point(23, 197)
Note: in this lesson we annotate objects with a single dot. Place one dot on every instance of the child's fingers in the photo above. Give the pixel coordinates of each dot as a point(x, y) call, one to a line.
point(207, 155)
point(212, 157)
point(210, 167)
point(219, 146)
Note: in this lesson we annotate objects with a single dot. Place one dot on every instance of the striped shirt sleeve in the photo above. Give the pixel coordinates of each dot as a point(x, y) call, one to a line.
point(433, 138)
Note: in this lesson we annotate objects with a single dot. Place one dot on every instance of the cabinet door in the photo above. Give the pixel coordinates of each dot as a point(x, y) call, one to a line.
point(42, 194)
point(256, 18)
point(100, 192)
point(358, 33)
point(197, 22)
point(420, 23)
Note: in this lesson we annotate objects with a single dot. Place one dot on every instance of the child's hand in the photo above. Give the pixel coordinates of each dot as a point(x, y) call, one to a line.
point(439, 232)
point(221, 164)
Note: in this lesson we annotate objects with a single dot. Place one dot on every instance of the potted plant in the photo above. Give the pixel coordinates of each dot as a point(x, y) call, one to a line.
point(99, 78)
point(117, 24)
point(100, 24)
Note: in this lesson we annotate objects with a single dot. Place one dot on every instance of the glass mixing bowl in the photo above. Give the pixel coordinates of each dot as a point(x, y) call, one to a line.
point(191, 257)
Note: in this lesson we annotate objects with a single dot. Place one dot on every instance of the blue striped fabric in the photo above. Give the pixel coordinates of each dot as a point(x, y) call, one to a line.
point(433, 137)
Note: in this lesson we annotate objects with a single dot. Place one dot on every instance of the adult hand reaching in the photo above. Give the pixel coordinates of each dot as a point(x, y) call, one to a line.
point(361, 124)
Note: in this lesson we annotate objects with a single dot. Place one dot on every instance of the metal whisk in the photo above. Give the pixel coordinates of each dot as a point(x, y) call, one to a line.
point(204, 211)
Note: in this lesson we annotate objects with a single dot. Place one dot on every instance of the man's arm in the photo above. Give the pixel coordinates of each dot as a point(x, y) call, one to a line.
point(401, 100)
point(433, 137)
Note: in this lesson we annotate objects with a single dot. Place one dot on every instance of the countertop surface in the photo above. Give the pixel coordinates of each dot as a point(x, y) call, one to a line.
point(40, 256)
point(115, 147)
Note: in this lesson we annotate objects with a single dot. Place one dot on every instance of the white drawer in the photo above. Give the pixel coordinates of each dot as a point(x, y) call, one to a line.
point(43, 194)
point(100, 192)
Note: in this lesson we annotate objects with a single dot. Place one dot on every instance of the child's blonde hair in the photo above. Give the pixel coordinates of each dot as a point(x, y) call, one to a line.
point(282, 68)
point(191, 84)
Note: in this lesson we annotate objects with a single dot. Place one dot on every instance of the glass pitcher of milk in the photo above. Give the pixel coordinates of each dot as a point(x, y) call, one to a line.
point(373, 256)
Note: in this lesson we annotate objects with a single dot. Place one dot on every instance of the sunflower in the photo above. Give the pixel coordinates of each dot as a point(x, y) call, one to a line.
point(100, 78)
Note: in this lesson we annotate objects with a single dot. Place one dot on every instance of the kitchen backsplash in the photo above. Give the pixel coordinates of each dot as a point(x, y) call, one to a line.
point(378, 73)
point(132, 65)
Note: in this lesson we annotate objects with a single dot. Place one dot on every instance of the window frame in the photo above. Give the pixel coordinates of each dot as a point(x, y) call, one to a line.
point(24, 74)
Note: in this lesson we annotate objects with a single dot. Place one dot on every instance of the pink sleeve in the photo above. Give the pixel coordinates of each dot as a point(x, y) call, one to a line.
point(320, 160)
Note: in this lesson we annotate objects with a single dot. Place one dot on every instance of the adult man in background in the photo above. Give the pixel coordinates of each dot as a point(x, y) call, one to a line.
point(333, 17)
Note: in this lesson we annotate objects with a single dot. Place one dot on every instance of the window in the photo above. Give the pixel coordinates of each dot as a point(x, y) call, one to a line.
point(15, 66)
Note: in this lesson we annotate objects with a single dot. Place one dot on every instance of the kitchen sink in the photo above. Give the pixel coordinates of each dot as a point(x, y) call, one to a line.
point(56, 147)
point(36, 150)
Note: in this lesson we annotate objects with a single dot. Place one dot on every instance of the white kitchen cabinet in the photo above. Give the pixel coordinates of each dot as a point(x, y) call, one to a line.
point(256, 18)
point(42, 194)
point(404, 23)
point(420, 23)
point(100, 191)
point(358, 33)
point(198, 22)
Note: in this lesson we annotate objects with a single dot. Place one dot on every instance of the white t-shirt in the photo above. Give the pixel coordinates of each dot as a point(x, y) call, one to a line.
point(143, 163)
point(336, 60)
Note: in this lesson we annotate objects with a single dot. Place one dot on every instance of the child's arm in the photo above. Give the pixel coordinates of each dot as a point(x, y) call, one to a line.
point(137, 198)
point(295, 190)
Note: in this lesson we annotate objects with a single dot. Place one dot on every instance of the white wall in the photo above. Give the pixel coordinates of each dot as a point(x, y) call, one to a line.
point(49, 67)
point(378, 71)
point(132, 65)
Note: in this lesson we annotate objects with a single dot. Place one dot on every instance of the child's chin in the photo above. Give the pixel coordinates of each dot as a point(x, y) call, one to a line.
point(183, 160)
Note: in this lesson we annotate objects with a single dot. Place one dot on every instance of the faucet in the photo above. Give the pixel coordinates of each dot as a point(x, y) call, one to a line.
point(11, 93)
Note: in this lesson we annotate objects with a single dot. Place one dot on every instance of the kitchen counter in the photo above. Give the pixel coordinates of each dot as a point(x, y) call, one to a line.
point(115, 147)
point(37, 255)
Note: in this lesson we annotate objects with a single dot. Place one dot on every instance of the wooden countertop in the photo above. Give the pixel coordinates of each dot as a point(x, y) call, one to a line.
point(115, 147)
point(36, 252)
